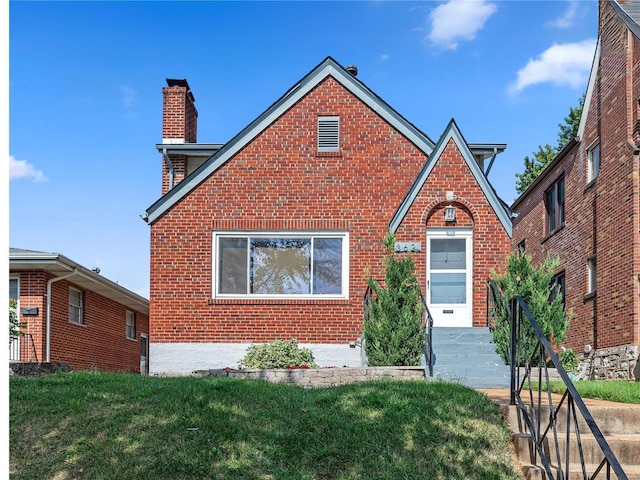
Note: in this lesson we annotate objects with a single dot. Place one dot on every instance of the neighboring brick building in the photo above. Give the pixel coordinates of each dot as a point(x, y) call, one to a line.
point(73, 315)
point(274, 234)
point(585, 206)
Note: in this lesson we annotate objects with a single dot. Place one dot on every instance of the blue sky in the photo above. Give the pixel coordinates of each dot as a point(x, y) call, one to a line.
point(85, 97)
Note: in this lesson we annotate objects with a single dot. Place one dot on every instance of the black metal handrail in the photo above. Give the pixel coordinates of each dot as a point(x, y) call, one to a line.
point(427, 321)
point(538, 416)
point(16, 342)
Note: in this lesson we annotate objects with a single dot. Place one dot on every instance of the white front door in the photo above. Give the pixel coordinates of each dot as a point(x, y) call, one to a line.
point(449, 277)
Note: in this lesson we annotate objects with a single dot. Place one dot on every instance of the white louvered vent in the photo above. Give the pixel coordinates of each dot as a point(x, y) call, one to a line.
point(329, 134)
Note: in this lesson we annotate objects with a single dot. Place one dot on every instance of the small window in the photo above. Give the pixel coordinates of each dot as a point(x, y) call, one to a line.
point(591, 276)
point(294, 265)
point(522, 247)
point(558, 287)
point(554, 203)
point(13, 288)
point(329, 134)
point(594, 162)
point(131, 325)
point(75, 306)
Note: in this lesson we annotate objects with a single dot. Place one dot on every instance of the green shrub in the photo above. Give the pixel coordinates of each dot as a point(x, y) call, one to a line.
point(569, 360)
point(535, 286)
point(393, 330)
point(278, 354)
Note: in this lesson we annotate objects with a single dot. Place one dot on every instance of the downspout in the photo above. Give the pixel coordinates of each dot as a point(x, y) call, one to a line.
point(48, 335)
point(165, 155)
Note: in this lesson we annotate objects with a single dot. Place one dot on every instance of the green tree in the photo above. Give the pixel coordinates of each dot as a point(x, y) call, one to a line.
point(533, 166)
point(535, 286)
point(393, 329)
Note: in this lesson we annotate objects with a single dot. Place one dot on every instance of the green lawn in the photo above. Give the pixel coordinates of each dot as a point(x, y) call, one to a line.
point(108, 426)
point(614, 391)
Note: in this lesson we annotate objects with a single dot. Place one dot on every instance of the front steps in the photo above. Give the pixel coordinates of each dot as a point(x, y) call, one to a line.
point(468, 356)
point(619, 423)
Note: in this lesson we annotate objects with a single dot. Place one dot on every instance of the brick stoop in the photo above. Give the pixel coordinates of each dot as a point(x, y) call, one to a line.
point(618, 422)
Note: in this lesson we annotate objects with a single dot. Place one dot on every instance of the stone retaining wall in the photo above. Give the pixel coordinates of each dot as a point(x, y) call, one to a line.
point(615, 363)
point(320, 377)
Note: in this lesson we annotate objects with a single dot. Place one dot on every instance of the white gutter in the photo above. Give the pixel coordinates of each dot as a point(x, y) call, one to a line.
point(48, 335)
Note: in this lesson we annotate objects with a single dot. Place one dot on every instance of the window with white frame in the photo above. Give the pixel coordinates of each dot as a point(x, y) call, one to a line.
point(75, 306)
point(329, 134)
point(593, 154)
point(591, 276)
point(131, 325)
point(284, 264)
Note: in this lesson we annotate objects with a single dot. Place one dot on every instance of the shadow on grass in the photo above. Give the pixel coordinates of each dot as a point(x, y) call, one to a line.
point(101, 426)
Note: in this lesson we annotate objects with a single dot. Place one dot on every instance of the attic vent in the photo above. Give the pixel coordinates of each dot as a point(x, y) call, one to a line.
point(329, 134)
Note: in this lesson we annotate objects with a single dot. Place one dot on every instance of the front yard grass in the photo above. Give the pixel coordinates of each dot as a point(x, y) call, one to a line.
point(611, 390)
point(116, 426)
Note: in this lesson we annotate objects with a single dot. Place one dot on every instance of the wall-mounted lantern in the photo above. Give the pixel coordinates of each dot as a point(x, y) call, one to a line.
point(450, 213)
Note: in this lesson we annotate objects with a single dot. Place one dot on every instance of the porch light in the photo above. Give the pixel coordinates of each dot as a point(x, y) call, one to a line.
point(449, 213)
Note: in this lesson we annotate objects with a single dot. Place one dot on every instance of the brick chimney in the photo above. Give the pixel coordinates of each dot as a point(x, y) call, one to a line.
point(179, 114)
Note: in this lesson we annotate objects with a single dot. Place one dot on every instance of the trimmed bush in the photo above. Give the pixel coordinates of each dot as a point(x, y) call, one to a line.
point(278, 354)
point(393, 329)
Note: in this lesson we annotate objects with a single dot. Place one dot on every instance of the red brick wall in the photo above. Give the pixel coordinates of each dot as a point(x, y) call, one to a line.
point(602, 217)
point(280, 182)
point(491, 242)
point(99, 343)
point(179, 114)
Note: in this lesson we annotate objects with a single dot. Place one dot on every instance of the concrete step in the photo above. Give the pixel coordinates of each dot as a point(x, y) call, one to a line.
point(610, 419)
point(619, 423)
point(468, 356)
point(535, 472)
point(626, 448)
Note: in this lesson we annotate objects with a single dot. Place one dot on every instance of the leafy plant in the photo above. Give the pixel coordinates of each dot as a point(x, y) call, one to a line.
point(535, 286)
point(14, 322)
point(569, 359)
point(278, 354)
point(393, 329)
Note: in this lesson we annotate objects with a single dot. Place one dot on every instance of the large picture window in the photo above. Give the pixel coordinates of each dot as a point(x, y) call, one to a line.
point(281, 265)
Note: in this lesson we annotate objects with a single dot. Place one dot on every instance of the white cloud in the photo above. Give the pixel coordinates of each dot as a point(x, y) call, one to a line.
point(23, 169)
point(568, 17)
point(566, 64)
point(384, 57)
point(458, 20)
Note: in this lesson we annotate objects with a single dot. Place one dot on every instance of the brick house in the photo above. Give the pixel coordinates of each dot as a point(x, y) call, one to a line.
point(73, 315)
point(273, 234)
point(585, 207)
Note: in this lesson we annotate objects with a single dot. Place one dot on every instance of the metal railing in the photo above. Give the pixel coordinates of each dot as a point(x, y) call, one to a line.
point(16, 344)
point(556, 423)
point(427, 322)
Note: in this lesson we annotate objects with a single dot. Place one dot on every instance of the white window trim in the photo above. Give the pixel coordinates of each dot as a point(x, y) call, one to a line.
point(591, 175)
point(130, 314)
point(283, 234)
point(81, 306)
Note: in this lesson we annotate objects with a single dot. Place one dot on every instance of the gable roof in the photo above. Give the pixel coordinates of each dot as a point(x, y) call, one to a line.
point(328, 67)
point(59, 265)
point(452, 132)
point(629, 12)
